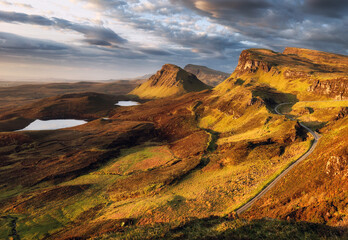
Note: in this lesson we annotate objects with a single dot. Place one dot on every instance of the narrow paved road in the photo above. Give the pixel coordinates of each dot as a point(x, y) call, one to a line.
point(280, 176)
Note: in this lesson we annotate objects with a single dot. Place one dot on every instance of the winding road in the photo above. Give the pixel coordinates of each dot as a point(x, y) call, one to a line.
point(280, 176)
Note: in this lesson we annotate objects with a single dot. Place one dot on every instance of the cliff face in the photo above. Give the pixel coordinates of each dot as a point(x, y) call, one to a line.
point(303, 73)
point(171, 80)
point(249, 62)
point(336, 89)
point(207, 75)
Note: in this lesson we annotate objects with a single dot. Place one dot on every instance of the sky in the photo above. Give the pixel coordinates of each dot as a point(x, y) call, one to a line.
point(119, 39)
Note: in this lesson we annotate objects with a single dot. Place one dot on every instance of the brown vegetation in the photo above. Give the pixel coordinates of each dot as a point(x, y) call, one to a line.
point(178, 167)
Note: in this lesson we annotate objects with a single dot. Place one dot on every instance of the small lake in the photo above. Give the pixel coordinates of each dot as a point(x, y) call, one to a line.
point(127, 103)
point(52, 124)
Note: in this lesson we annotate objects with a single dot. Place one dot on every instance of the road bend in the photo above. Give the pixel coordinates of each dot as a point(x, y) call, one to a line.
point(316, 137)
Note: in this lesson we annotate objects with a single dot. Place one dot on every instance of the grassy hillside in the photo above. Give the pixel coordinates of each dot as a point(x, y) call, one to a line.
point(170, 81)
point(182, 170)
point(317, 190)
point(178, 167)
point(319, 77)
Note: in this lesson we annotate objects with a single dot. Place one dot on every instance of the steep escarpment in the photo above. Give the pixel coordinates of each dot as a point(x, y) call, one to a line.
point(303, 73)
point(207, 75)
point(335, 89)
point(171, 80)
point(250, 62)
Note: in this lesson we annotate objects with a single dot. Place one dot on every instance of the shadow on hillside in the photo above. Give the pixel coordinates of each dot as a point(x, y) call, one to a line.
point(223, 228)
point(272, 97)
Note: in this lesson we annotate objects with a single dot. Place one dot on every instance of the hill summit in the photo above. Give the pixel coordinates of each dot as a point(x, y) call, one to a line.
point(171, 80)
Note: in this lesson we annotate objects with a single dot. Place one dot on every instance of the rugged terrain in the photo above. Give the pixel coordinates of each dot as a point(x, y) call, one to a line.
point(207, 75)
point(170, 81)
point(25, 93)
point(179, 167)
point(85, 106)
point(307, 74)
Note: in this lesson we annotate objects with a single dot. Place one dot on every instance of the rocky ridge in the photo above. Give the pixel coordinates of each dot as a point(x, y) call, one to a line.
point(308, 74)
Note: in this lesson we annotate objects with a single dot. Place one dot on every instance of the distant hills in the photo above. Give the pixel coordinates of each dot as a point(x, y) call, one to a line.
point(171, 80)
point(207, 75)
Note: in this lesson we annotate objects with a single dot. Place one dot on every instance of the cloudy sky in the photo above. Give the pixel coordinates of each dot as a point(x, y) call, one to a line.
point(114, 39)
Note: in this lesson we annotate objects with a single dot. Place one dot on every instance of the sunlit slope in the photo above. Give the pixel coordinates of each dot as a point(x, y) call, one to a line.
point(306, 74)
point(167, 167)
point(177, 168)
point(170, 81)
point(317, 190)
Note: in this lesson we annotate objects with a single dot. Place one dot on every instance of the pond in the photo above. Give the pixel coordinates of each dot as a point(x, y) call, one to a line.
point(127, 103)
point(52, 124)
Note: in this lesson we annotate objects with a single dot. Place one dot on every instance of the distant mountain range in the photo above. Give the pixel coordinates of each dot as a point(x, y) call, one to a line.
point(207, 75)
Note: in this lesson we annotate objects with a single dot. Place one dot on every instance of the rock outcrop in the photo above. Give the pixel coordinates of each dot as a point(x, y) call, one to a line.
point(171, 80)
point(336, 88)
point(249, 62)
point(302, 72)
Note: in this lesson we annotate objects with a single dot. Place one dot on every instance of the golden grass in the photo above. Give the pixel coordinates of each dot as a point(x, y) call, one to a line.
point(148, 92)
point(215, 192)
point(222, 122)
point(321, 104)
point(316, 114)
point(139, 158)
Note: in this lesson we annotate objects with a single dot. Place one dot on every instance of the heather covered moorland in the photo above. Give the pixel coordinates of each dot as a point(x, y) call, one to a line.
point(179, 166)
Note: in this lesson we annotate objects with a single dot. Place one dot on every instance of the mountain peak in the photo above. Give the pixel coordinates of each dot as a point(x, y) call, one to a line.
point(171, 80)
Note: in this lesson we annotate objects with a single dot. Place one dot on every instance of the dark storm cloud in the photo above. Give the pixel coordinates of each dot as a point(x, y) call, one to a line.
point(329, 8)
point(94, 34)
point(207, 32)
point(319, 24)
point(158, 52)
point(188, 43)
point(242, 14)
point(90, 32)
point(24, 49)
point(15, 42)
point(24, 18)
point(12, 45)
point(173, 31)
point(97, 42)
point(221, 8)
